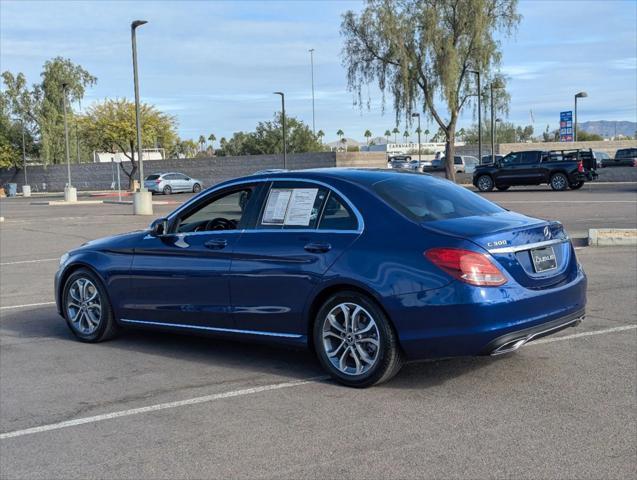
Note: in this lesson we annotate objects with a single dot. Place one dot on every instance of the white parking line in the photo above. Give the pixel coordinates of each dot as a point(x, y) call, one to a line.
point(11, 307)
point(29, 261)
point(237, 393)
point(160, 406)
point(582, 334)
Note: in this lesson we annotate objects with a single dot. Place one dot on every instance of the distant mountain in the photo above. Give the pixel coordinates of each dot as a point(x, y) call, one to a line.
point(609, 129)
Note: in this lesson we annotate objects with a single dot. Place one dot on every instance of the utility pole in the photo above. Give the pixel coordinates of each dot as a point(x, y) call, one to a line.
point(285, 148)
point(312, 66)
point(477, 73)
point(70, 193)
point(419, 157)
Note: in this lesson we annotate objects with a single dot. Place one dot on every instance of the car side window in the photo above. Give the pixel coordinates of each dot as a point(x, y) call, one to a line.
point(457, 160)
point(511, 159)
point(529, 157)
point(337, 215)
point(292, 206)
point(225, 212)
point(170, 176)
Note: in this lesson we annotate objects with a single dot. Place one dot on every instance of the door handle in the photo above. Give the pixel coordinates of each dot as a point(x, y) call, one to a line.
point(216, 244)
point(318, 247)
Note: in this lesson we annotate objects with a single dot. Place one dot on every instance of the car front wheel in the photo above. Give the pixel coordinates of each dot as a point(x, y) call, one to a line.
point(86, 307)
point(196, 188)
point(355, 342)
point(559, 182)
point(485, 183)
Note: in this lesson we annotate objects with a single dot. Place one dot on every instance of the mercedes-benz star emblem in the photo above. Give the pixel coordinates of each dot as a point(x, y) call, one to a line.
point(547, 232)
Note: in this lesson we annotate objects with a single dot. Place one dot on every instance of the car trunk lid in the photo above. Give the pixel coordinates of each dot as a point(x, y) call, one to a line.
point(536, 253)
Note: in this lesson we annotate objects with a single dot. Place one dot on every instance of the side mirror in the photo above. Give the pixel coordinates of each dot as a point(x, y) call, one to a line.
point(159, 227)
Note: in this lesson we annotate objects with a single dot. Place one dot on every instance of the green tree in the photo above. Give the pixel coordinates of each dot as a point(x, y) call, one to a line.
point(267, 139)
point(421, 50)
point(406, 136)
point(319, 135)
point(387, 135)
point(395, 131)
point(50, 96)
point(109, 126)
point(340, 133)
point(583, 136)
point(212, 139)
point(427, 132)
point(367, 135)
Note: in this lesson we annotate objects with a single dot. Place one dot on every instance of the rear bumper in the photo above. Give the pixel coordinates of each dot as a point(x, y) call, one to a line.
point(461, 320)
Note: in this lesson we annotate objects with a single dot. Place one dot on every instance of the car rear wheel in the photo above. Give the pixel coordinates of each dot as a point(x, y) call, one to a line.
point(503, 189)
point(196, 188)
point(167, 190)
point(576, 186)
point(559, 182)
point(86, 307)
point(355, 342)
point(485, 183)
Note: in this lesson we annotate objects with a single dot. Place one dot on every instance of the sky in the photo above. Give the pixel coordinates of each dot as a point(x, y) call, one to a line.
point(215, 64)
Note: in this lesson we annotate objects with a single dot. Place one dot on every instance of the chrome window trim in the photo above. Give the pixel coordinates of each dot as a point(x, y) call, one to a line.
point(212, 329)
point(248, 181)
point(528, 246)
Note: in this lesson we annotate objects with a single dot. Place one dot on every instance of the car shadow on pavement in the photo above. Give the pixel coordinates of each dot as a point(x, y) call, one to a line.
point(41, 324)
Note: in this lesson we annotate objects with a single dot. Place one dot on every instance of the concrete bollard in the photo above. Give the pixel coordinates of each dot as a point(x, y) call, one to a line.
point(143, 203)
point(26, 190)
point(70, 194)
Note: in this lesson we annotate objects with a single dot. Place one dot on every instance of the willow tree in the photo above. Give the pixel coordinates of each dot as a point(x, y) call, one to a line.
point(423, 51)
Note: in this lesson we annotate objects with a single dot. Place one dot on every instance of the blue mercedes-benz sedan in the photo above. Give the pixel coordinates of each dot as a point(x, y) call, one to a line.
point(369, 268)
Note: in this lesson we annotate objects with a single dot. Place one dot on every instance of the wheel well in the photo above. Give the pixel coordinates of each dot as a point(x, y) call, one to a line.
point(323, 295)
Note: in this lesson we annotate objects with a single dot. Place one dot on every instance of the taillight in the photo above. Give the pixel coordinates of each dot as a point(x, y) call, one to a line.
point(158, 181)
point(580, 166)
point(470, 267)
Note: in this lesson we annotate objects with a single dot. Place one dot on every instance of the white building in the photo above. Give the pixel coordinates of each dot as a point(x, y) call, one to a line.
point(147, 154)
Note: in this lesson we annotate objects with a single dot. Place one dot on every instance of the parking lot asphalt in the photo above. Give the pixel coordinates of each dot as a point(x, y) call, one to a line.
point(153, 405)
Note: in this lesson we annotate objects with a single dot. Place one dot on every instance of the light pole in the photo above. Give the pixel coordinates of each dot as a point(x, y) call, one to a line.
point(70, 193)
point(77, 132)
point(142, 200)
point(495, 84)
point(577, 95)
point(495, 127)
point(312, 66)
point(24, 155)
point(418, 116)
point(479, 95)
point(283, 126)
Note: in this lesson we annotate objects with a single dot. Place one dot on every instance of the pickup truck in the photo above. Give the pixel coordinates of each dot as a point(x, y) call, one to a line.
point(561, 169)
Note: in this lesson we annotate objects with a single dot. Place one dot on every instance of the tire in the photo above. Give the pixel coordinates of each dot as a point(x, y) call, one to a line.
point(503, 189)
point(379, 342)
point(196, 188)
point(576, 186)
point(88, 324)
point(167, 190)
point(485, 183)
point(559, 182)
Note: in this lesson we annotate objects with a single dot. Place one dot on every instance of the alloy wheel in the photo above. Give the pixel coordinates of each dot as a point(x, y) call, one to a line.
point(84, 306)
point(351, 339)
point(485, 183)
point(558, 182)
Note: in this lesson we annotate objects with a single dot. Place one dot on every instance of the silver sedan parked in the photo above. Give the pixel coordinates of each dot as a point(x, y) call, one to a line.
point(171, 182)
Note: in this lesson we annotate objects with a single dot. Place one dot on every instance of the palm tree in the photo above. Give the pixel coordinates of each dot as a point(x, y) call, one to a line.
point(406, 136)
point(395, 131)
point(367, 135)
point(426, 135)
point(320, 134)
point(344, 142)
point(340, 133)
point(387, 135)
point(202, 142)
point(212, 139)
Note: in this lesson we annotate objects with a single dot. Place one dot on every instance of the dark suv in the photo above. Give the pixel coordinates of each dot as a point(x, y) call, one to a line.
point(623, 156)
point(561, 169)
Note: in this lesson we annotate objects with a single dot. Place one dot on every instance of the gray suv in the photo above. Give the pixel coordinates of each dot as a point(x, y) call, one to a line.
point(171, 182)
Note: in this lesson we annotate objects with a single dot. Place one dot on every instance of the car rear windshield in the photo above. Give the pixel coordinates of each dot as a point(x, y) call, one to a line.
point(152, 177)
point(423, 198)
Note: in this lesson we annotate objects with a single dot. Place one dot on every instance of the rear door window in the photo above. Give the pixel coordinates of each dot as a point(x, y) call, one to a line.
point(292, 206)
point(337, 215)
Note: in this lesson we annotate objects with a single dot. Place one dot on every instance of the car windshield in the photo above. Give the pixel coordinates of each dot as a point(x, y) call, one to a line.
point(423, 198)
point(152, 177)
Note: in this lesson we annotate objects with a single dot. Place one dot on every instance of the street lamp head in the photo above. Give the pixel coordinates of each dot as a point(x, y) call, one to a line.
point(581, 95)
point(278, 93)
point(137, 23)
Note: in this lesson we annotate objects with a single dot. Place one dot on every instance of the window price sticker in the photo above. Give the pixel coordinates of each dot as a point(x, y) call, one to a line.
point(287, 206)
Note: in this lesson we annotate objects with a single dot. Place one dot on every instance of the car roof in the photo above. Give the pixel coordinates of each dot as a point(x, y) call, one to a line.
point(361, 176)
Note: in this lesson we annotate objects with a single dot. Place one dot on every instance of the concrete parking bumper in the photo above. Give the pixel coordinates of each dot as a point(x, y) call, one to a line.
point(605, 237)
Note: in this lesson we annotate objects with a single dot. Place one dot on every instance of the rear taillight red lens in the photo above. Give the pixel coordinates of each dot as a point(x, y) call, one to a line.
point(158, 181)
point(470, 267)
point(580, 166)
